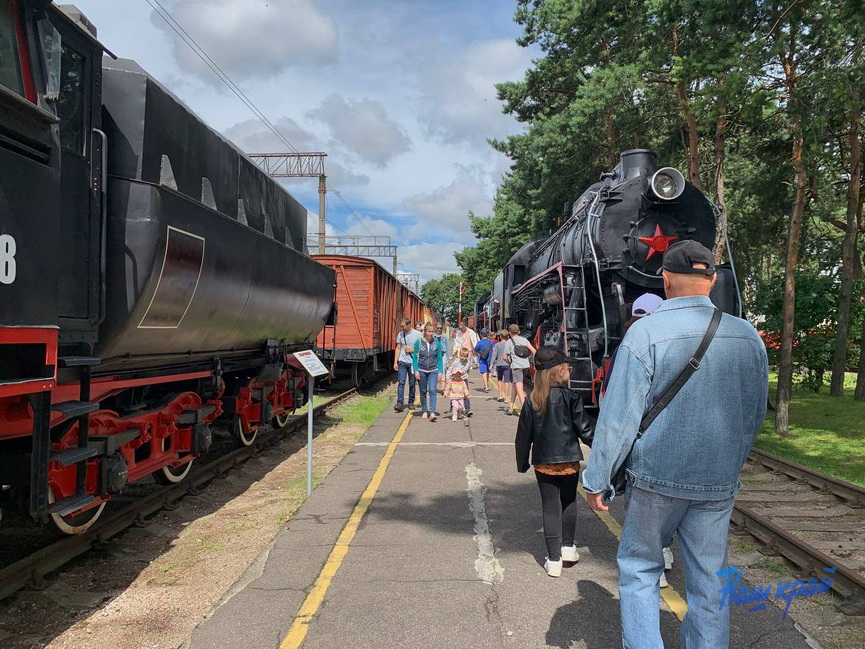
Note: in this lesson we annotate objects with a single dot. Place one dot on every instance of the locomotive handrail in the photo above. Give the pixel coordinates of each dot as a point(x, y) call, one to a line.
point(591, 212)
point(103, 221)
point(722, 216)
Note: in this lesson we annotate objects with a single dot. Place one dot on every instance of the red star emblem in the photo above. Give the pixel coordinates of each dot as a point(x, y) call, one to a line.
point(657, 242)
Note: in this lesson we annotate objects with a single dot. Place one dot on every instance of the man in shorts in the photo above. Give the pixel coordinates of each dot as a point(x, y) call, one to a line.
point(518, 365)
point(503, 370)
point(484, 352)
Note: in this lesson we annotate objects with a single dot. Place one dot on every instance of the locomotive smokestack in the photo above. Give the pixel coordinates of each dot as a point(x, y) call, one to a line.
point(637, 162)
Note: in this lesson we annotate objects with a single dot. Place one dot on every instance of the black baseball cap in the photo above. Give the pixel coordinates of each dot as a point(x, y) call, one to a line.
point(682, 255)
point(549, 357)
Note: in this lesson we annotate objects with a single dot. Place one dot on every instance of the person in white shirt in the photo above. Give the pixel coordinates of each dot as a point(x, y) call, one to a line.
point(519, 364)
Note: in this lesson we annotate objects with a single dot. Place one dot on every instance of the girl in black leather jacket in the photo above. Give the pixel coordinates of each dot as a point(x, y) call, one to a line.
point(551, 425)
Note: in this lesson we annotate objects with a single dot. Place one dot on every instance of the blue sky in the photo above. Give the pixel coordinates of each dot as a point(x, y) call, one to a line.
point(399, 93)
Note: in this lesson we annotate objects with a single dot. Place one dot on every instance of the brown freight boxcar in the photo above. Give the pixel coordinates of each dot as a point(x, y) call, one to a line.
point(370, 304)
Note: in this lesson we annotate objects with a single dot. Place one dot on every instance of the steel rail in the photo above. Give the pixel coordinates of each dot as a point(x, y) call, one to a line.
point(853, 494)
point(32, 569)
point(846, 582)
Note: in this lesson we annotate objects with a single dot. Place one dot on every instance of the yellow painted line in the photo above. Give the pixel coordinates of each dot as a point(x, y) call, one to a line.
point(309, 608)
point(673, 599)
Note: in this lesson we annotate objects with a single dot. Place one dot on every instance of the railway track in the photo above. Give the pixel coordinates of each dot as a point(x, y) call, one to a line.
point(813, 520)
point(31, 570)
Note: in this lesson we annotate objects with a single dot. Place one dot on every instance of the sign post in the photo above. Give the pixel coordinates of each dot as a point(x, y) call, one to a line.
point(314, 367)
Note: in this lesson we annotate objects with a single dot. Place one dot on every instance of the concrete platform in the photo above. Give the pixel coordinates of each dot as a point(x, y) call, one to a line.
point(448, 554)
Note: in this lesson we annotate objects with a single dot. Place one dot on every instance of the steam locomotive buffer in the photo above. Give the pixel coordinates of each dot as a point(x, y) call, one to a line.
point(152, 279)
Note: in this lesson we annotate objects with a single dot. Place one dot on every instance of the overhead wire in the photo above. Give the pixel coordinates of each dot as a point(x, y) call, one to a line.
point(214, 67)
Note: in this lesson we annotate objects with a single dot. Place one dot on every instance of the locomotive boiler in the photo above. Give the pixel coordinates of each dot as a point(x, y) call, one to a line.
point(152, 279)
point(573, 288)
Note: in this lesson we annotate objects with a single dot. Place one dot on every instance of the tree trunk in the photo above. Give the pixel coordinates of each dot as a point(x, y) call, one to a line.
point(848, 254)
point(691, 152)
point(720, 154)
point(859, 394)
point(785, 362)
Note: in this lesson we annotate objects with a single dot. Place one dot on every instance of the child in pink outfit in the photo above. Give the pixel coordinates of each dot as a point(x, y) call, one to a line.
point(456, 391)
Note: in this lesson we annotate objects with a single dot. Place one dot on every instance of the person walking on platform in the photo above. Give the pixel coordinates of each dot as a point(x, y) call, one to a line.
point(427, 365)
point(503, 370)
point(463, 361)
point(456, 390)
point(551, 425)
point(683, 473)
point(402, 364)
point(484, 351)
point(467, 337)
point(444, 342)
point(517, 353)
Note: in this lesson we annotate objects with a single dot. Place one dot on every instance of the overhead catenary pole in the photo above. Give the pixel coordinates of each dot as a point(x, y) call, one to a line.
point(322, 192)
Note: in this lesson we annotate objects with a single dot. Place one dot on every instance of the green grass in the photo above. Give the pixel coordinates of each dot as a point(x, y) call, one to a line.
point(826, 433)
point(362, 411)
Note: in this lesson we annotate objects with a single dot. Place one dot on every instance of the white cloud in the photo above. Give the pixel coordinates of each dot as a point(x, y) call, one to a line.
point(429, 260)
point(363, 126)
point(448, 207)
point(366, 224)
point(459, 98)
point(252, 38)
point(253, 137)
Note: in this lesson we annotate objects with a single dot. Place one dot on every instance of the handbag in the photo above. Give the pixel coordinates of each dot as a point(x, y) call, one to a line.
point(620, 477)
point(521, 351)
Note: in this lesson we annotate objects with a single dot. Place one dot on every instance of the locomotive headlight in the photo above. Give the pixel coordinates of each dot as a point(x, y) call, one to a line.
point(667, 184)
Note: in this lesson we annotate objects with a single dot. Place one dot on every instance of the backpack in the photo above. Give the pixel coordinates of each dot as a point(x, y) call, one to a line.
point(484, 354)
point(521, 351)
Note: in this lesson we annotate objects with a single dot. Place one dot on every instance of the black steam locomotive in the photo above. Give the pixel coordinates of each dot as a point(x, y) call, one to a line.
point(573, 289)
point(152, 278)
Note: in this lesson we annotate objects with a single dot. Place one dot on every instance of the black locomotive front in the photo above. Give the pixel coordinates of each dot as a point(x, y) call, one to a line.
point(574, 288)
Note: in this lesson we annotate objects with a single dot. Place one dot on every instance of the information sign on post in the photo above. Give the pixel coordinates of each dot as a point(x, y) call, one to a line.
point(314, 367)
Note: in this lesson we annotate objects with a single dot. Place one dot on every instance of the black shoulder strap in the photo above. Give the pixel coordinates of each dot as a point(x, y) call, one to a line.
point(692, 366)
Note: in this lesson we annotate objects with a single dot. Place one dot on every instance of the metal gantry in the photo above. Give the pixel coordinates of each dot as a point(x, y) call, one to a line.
point(298, 165)
point(411, 281)
point(360, 246)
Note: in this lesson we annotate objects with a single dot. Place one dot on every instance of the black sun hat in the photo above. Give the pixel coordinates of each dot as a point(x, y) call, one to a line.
point(549, 357)
point(682, 255)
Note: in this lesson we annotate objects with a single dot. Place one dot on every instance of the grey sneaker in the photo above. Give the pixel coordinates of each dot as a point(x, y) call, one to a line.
point(668, 559)
point(399, 407)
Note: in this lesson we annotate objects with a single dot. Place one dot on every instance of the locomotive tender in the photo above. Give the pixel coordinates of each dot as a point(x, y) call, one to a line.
point(152, 278)
point(573, 288)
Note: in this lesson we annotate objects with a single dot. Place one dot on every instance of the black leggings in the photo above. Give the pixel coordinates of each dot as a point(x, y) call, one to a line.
point(559, 504)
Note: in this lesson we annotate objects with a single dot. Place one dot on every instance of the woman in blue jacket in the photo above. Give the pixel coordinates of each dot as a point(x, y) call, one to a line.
point(427, 365)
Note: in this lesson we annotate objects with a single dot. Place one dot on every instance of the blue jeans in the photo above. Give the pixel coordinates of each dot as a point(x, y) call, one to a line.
point(404, 369)
point(428, 384)
point(701, 525)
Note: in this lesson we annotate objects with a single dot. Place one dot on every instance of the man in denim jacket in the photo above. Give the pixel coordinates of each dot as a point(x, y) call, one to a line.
point(683, 472)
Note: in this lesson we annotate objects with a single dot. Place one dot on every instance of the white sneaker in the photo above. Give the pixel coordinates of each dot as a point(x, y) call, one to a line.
point(663, 581)
point(454, 417)
point(553, 568)
point(570, 554)
point(668, 559)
